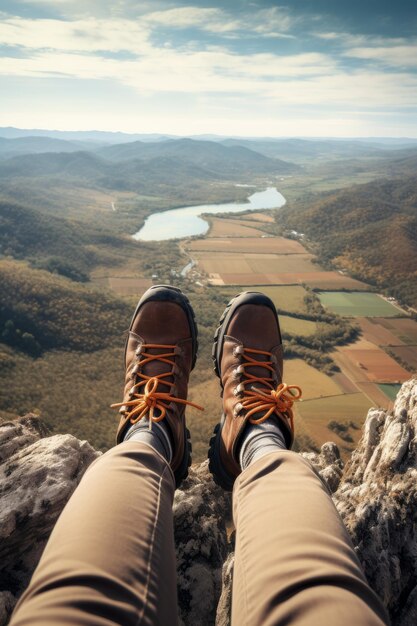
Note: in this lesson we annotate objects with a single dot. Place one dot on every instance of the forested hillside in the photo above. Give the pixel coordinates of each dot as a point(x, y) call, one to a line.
point(368, 230)
point(56, 244)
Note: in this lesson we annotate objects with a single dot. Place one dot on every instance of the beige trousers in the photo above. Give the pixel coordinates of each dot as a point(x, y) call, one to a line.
point(111, 560)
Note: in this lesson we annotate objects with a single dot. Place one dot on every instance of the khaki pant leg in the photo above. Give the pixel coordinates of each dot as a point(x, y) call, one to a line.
point(110, 558)
point(294, 561)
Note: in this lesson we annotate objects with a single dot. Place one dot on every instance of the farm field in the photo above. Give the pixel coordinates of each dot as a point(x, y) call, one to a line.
point(390, 390)
point(315, 280)
point(232, 228)
point(285, 297)
point(375, 395)
point(313, 383)
point(404, 328)
point(317, 413)
point(374, 331)
point(252, 263)
point(124, 285)
point(358, 304)
point(408, 354)
point(295, 326)
point(369, 363)
point(277, 245)
point(260, 217)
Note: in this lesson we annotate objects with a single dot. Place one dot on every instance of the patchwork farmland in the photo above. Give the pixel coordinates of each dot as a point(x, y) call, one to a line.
point(235, 257)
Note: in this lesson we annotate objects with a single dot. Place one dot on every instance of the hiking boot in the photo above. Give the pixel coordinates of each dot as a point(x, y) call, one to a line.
point(247, 354)
point(160, 353)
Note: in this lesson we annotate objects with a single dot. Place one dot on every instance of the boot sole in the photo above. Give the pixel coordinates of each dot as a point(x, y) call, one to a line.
point(220, 476)
point(168, 293)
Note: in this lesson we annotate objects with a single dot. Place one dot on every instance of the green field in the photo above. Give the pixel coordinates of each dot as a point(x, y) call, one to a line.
point(358, 304)
point(295, 326)
point(390, 390)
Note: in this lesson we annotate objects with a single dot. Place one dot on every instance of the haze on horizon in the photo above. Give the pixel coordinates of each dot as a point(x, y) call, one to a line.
point(322, 68)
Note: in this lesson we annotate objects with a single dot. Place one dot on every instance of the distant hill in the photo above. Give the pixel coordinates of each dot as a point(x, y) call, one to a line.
point(36, 145)
point(139, 167)
point(208, 155)
point(90, 136)
point(301, 150)
point(369, 230)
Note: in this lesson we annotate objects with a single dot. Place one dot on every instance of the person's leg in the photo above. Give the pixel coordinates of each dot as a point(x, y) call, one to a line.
point(110, 558)
point(294, 561)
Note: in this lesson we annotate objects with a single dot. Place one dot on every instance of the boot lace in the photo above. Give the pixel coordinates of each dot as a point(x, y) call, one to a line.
point(149, 400)
point(270, 399)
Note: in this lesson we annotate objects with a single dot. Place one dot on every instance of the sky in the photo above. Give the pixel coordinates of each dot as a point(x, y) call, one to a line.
point(330, 68)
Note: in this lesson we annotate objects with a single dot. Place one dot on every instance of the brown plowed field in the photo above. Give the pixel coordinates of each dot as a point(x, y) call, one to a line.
point(333, 280)
point(346, 385)
point(128, 286)
point(375, 332)
point(372, 365)
point(375, 395)
point(403, 328)
point(232, 228)
point(260, 217)
point(408, 354)
point(320, 280)
point(277, 245)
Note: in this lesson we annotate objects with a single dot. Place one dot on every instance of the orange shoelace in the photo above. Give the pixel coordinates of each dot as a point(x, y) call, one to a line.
point(270, 400)
point(146, 402)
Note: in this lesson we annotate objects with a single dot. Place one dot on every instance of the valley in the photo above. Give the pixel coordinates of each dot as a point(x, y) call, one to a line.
point(71, 274)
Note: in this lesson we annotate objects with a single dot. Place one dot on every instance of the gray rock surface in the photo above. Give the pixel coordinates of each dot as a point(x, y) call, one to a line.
point(377, 500)
point(37, 477)
point(376, 495)
point(201, 513)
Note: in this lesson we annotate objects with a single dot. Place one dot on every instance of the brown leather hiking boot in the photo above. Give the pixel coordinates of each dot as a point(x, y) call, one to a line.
point(247, 354)
point(160, 353)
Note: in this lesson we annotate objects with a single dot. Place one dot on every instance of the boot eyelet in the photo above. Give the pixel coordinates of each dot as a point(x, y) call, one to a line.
point(237, 409)
point(132, 391)
point(138, 350)
point(237, 350)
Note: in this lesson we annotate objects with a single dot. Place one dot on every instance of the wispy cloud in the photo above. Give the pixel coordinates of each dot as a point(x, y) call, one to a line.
point(201, 53)
point(403, 56)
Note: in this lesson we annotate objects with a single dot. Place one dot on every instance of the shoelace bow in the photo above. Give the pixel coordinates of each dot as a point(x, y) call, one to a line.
point(146, 402)
point(270, 400)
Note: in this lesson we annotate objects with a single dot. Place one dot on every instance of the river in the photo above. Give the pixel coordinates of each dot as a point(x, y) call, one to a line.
point(186, 221)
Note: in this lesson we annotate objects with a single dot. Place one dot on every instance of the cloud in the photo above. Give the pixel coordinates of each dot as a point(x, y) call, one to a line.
point(394, 56)
point(85, 35)
point(273, 22)
point(133, 54)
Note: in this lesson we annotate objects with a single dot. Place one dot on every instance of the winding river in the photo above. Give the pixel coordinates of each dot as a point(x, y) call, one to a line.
point(186, 221)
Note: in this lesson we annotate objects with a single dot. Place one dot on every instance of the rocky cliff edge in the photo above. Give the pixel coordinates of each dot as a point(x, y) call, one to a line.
point(376, 495)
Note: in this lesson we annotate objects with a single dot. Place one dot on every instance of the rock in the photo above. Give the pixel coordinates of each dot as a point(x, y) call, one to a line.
point(201, 512)
point(376, 495)
point(37, 477)
point(327, 464)
point(377, 500)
